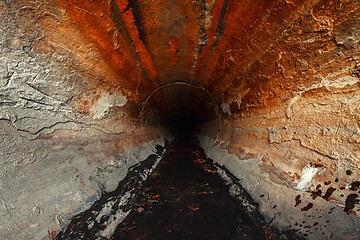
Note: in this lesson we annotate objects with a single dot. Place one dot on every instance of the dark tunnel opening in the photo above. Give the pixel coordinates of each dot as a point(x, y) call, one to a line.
point(182, 110)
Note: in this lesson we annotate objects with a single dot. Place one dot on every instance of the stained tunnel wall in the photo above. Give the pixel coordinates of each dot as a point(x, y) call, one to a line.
point(75, 75)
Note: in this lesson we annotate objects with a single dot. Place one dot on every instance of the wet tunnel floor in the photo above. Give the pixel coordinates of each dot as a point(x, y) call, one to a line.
point(185, 198)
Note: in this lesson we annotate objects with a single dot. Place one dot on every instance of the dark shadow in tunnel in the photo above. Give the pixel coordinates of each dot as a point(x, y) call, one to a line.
point(182, 110)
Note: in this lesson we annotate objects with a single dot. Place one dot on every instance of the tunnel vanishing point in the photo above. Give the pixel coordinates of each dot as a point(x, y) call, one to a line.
point(271, 89)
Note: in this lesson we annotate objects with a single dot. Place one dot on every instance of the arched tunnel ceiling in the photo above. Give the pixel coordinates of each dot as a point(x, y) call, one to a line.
point(74, 76)
point(264, 49)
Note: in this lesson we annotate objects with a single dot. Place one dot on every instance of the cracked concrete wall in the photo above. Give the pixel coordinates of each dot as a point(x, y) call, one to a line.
point(57, 156)
point(283, 206)
point(291, 126)
point(302, 169)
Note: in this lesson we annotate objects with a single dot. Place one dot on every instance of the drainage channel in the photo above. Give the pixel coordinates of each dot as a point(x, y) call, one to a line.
point(186, 196)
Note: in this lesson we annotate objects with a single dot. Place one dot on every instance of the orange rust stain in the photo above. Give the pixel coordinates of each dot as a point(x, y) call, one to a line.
point(164, 20)
point(210, 32)
point(261, 45)
point(122, 4)
point(174, 45)
point(145, 57)
point(104, 45)
point(248, 35)
point(241, 20)
point(115, 62)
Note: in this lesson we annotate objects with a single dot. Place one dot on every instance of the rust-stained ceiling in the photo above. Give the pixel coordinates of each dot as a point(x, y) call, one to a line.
point(263, 49)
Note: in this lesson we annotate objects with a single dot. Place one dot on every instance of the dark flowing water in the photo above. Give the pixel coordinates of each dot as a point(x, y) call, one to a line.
point(183, 198)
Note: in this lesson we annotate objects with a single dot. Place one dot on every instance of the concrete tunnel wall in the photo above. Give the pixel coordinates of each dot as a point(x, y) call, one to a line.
point(74, 76)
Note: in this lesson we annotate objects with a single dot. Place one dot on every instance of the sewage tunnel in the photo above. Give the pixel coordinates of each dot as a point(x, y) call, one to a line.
point(273, 88)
